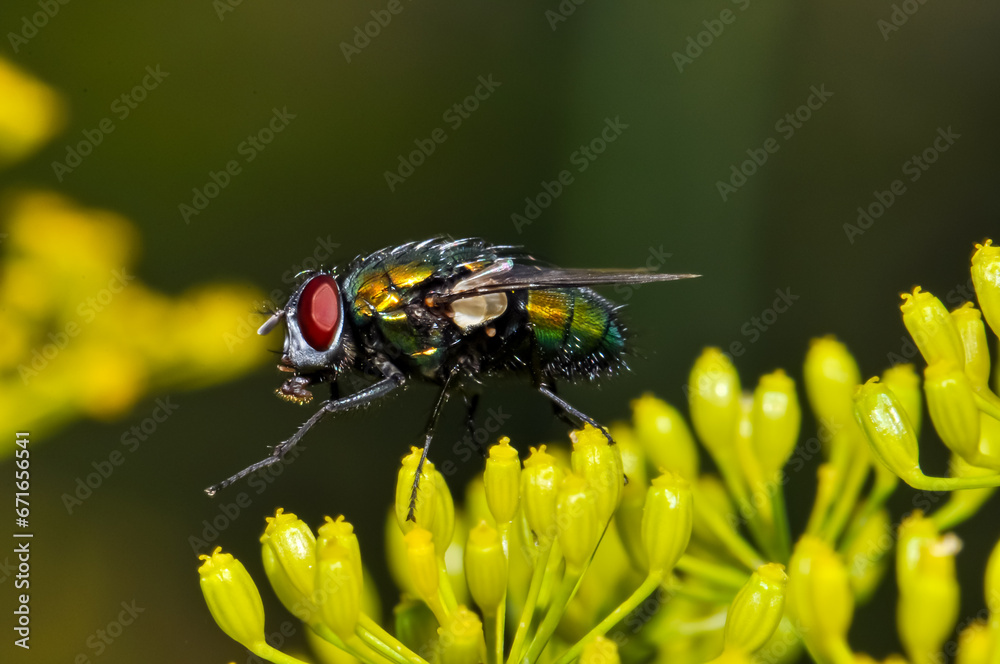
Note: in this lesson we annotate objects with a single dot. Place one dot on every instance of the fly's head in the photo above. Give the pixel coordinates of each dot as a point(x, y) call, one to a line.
point(317, 345)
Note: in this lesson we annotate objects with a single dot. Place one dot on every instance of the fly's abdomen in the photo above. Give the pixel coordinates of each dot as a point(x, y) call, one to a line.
point(577, 333)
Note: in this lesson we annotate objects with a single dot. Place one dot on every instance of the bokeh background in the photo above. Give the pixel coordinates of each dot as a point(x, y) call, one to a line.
point(560, 73)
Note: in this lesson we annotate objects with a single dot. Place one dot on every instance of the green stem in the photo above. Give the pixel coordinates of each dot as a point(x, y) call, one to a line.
point(738, 546)
point(651, 583)
point(352, 648)
point(826, 483)
point(382, 641)
point(498, 628)
point(272, 654)
point(490, 623)
point(528, 612)
point(722, 575)
point(987, 402)
point(918, 480)
point(781, 524)
point(847, 498)
point(556, 609)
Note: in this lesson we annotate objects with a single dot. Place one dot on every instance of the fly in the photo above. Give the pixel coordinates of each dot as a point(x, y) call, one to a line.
point(446, 312)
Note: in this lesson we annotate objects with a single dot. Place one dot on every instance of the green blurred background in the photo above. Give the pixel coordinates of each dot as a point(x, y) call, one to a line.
point(652, 191)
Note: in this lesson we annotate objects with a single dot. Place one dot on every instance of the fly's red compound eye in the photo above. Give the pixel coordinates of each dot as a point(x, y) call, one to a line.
point(319, 311)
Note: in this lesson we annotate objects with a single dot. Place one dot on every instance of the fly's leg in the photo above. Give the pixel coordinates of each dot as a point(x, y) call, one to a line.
point(394, 379)
point(428, 436)
point(569, 411)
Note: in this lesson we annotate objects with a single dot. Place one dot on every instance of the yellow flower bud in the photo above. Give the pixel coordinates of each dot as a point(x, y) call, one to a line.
point(338, 588)
point(476, 507)
point(904, 382)
point(890, 434)
point(395, 553)
point(426, 500)
point(952, 407)
point(443, 523)
point(422, 564)
point(601, 465)
point(986, 280)
point(664, 436)
point(776, 417)
point(972, 332)
point(989, 442)
point(503, 481)
point(666, 522)
point(831, 376)
point(926, 578)
point(820, 599)
point(233, 598)
point(540, 488)
point(865, 555)
point(288, 550)
point(628, 516)
point(932, 328)
point(756, 610)
point(461, 640)
point(975, 644)
point(576, 516)
point(341, 532)
point(713, 400)
point(601, 650)
point(486, 568)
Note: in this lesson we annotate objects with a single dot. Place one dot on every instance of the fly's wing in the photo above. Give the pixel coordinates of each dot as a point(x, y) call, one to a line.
point(507, 275)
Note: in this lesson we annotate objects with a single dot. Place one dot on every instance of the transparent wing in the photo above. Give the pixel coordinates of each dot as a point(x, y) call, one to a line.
point(506, 275)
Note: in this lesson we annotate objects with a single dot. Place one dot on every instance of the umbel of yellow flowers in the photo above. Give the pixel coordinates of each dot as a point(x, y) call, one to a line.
point(632, 552)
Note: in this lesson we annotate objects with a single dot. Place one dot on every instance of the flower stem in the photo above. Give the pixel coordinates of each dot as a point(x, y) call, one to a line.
point(738, 546)
point(272, 654)
point(501, 612)
point(722, 575)
point(352, 648)
point(528, 612)
point(647, 587)
point(848, 497)
point(381, 641)
point(560, 599)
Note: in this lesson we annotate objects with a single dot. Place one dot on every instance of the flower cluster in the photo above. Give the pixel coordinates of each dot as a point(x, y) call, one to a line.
point(82, 335)
point(631, 552)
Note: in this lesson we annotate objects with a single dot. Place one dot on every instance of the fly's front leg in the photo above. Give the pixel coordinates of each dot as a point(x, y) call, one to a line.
point(394, 379)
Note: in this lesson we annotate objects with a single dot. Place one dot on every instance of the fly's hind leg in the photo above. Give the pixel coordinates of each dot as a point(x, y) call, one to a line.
point(571, 413)
point(428, 436)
